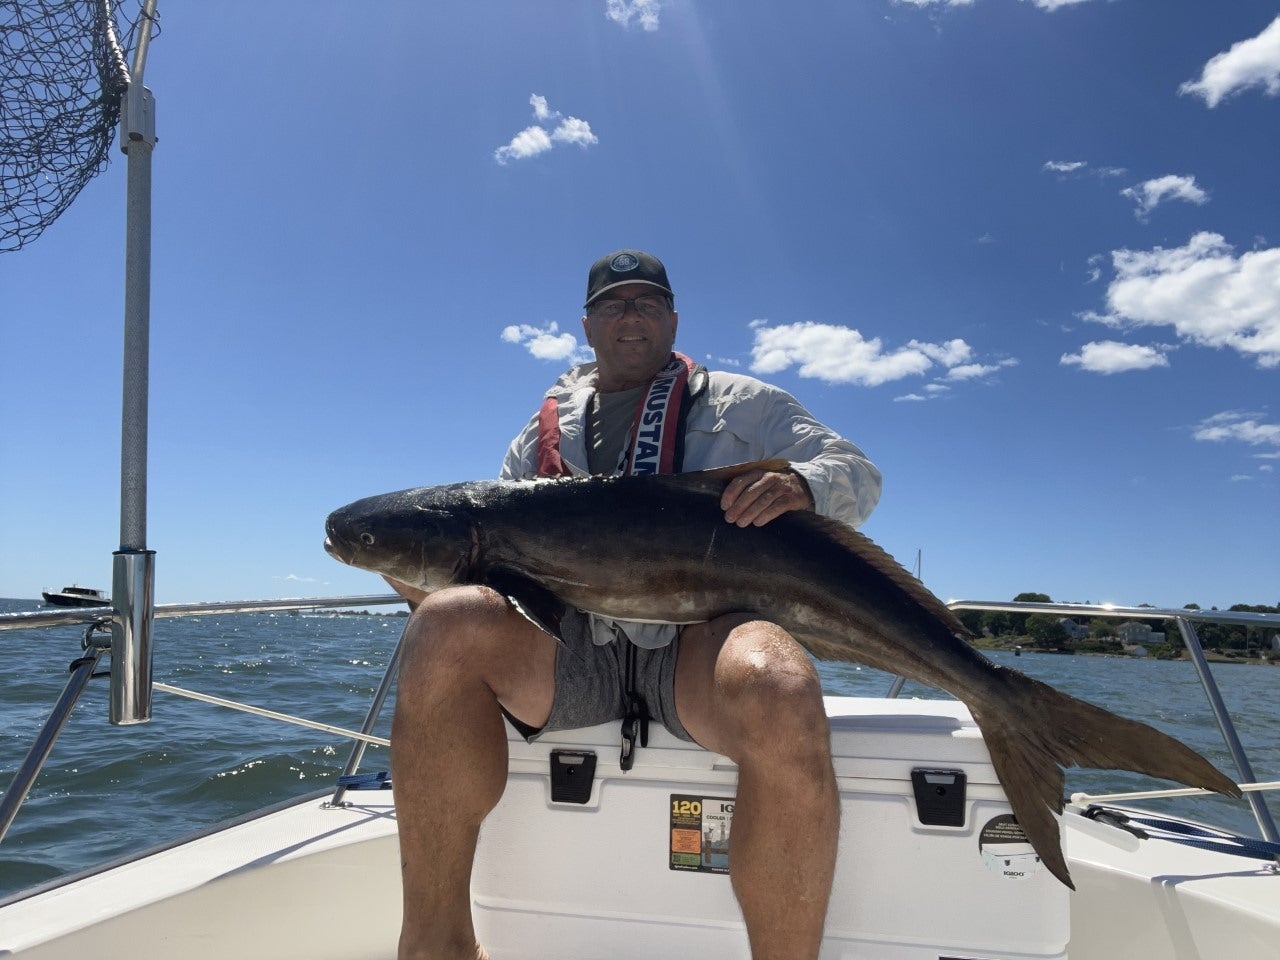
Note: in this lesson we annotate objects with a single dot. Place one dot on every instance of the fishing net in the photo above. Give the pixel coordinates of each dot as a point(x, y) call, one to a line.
point(62, 74)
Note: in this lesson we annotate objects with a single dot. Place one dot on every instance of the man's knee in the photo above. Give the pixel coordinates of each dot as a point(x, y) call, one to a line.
point(455, 629)
point(470, 640)
point(769, 685)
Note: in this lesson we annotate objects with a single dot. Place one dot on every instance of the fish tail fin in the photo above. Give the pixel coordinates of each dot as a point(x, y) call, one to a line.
point(1036, 730)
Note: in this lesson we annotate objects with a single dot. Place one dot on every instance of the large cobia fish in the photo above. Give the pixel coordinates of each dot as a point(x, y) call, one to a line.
point(657, 548)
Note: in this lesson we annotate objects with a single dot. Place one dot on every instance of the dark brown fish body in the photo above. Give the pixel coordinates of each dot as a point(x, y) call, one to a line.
point(658, 549)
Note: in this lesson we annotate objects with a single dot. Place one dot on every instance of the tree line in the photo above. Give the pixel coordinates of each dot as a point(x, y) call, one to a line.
point(1047, 631)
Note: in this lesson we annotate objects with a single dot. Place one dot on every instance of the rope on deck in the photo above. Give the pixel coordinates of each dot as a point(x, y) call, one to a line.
point(1084, 799)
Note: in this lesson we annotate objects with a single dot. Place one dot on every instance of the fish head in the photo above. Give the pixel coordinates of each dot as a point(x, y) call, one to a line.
point(416, 537)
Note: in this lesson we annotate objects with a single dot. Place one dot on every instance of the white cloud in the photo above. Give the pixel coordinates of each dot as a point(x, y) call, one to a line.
point(948, 354)
point(1109, 356)
point(529, 142)
point(723, 361)
point(1241, 427)
point(534, 140)
point(1049, 5)
point(975, 371)
point(540, 109)
point(643, 12)
point(1250, 63)
point(1150, 193)
point(1056, 4)
point(836, 354)
point(547, 343)
point(1078, 168)
point(1204, 292)
point(573, 130)
point(833, 354)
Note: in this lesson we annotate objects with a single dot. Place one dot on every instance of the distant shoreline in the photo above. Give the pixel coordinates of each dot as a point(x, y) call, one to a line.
point(1011, 645)
point(1004, 643)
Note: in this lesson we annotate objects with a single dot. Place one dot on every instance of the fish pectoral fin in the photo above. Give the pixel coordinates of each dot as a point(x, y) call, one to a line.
point(539, 605)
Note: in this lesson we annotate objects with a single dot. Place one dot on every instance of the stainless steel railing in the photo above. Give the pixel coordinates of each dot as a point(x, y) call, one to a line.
point(99, 618)
point(1184, 619)
point(70, 616)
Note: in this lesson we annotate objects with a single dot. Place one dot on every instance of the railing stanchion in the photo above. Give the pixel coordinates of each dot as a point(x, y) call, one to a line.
point(1228, 729)
point(81, 674)
point(370, 720)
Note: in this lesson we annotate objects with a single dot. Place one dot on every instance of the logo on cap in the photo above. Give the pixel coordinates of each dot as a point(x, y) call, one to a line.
point(623, 262)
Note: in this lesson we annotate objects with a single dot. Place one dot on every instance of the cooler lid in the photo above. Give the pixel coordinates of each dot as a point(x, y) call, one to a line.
point(885, 739)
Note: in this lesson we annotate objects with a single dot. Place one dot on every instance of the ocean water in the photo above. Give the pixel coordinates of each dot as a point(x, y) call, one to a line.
point(108, 791)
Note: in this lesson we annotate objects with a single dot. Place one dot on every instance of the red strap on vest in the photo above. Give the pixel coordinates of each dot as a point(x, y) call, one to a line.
point(550, 463)
point(651, 447)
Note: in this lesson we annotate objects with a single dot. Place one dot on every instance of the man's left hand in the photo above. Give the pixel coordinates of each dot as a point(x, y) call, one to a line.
point(757, 497)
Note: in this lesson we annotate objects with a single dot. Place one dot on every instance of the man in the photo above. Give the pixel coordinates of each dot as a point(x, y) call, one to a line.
point(736, 685)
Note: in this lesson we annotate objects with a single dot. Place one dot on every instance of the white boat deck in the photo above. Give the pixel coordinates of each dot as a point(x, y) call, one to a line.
point(311, 881)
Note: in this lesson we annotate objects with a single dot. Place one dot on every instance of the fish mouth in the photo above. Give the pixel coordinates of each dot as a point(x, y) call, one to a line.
point(333, 544)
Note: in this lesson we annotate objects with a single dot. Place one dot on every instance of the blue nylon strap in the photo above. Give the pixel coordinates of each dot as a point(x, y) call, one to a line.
point(366, 781)
point(1179, 831)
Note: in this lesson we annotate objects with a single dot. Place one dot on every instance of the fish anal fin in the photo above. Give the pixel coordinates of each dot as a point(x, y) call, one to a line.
point(539, 605)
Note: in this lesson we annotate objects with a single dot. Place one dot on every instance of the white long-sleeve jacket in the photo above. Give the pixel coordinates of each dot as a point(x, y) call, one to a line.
point(733, 419)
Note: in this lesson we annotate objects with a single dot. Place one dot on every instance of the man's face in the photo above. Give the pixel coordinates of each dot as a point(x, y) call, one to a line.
point(632, 348)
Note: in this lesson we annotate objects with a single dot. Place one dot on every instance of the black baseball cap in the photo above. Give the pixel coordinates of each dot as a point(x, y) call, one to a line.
point(623, 267)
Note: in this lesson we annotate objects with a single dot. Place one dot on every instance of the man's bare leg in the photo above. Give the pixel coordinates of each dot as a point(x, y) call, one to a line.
point(747, 690)
point(466, 651)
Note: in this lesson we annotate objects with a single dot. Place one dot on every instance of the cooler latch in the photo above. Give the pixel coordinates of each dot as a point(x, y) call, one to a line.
point(572, 773)
point(939, 797)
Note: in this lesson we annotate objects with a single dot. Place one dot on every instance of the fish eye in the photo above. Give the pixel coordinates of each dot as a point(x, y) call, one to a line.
point(367, 538)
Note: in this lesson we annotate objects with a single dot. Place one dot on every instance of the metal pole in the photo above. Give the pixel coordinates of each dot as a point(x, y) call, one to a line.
point(1256, 802)
point(39, 752)
point(133, 573)
point(137, 141)
point(370, 720)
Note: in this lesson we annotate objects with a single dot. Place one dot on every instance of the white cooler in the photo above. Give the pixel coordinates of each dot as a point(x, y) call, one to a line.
point(618, 865)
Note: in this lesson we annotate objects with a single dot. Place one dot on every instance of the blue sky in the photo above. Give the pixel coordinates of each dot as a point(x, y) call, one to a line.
point(1026, 253)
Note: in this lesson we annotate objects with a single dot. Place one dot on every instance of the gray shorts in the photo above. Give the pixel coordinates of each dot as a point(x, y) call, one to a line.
point(591, 682)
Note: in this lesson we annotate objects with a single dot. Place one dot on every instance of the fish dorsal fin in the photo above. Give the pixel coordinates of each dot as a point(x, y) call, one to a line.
point(716, 479)
point(875, 556)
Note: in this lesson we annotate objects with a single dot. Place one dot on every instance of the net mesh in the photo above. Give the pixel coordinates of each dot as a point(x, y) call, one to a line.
point(62, 74)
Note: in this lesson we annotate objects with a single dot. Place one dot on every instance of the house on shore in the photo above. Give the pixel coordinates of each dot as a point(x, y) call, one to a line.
point(1136, 637)
point(1075, 631)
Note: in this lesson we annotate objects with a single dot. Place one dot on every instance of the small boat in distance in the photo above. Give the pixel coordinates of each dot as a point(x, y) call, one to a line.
point(74, 596)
